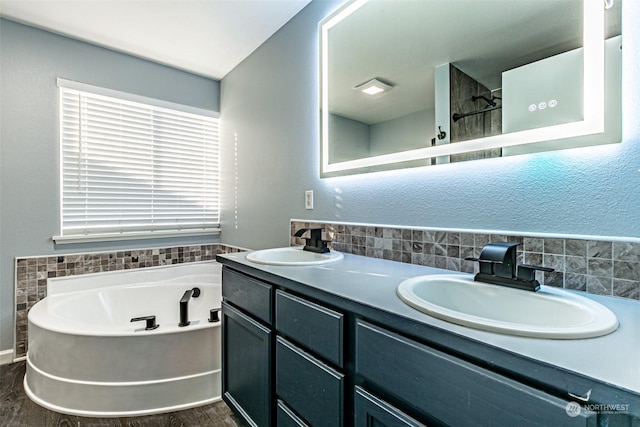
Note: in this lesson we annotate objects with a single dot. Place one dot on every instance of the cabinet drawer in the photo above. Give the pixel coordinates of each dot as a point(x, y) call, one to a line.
point(253, 296)
point(311, 388)
point(313, 326)
point(451, 390)
point(286, 417)
point(369, 411)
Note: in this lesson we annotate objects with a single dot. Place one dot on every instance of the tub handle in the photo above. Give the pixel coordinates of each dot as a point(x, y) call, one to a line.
point(213, 315)
point(151, 322)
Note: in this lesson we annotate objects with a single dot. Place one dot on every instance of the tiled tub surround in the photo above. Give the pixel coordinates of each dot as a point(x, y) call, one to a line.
point(595, 266)
point(32, 273)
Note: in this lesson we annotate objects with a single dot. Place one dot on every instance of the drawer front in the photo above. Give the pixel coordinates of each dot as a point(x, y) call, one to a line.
point(253, 296)
point(369, 411)
point(312, 389)
point(313, 326)
point(451, 390)
point(286, 417)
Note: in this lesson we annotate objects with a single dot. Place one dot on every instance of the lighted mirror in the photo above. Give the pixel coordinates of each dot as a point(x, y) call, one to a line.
point(414, 83)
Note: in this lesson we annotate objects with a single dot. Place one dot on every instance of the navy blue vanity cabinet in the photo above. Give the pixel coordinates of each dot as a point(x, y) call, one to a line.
point(294, 355)
point(247, 348)
point(446, 390)
point(282, 355)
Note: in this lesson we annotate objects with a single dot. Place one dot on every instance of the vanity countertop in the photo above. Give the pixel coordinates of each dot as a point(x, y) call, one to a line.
point(371, 283)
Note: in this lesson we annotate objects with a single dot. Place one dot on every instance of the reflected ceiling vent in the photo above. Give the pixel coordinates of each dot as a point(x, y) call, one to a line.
point(374, 87)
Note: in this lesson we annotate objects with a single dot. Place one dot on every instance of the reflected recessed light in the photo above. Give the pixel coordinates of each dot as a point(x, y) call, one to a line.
point(374, 87)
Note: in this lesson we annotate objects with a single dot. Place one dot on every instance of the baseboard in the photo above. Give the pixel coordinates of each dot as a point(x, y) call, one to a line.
point(6, 356)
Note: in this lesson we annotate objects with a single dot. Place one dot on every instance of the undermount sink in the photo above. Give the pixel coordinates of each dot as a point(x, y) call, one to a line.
point(293, 256)
point(548, 313)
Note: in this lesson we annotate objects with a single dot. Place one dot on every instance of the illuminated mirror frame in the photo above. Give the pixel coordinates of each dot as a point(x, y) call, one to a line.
point(593, 88)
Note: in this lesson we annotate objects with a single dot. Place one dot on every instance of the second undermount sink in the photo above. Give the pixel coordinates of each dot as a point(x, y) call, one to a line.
point(548, 313)
point(293, 256)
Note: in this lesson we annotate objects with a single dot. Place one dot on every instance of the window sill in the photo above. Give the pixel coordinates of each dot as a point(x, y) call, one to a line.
point(112, 237)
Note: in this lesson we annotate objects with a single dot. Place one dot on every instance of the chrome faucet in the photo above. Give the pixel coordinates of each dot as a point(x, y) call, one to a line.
point(184, 305)
point(498, 267)
point(315, 242)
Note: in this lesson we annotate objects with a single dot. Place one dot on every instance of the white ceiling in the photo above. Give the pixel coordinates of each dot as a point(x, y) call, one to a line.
point(205, 37)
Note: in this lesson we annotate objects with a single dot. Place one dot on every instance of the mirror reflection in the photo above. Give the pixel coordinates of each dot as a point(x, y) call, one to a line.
point(404, 76)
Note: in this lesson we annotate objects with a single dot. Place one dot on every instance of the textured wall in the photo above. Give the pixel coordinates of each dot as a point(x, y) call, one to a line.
point(31, 60)
point(271, 102)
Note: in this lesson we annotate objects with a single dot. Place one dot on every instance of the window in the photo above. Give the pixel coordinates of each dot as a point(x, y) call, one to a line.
point(131, 169)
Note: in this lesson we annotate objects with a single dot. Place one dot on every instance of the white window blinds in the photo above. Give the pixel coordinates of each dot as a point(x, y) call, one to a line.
point(132, 168)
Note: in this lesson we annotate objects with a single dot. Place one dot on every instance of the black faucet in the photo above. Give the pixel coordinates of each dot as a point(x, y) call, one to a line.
point(498, 267)
point(184, 305)
point(315, 242)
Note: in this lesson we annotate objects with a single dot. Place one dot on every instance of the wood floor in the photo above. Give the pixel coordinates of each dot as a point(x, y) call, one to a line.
point(17, 410)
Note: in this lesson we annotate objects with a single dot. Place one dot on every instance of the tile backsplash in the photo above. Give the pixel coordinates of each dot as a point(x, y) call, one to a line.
point(594, 266)
point(31, 273)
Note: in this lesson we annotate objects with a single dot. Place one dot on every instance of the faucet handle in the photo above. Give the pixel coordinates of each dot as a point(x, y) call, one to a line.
point(488, 261)
point(314, 243)
point(151, 322)
point(503, 259)
point(486, 265)
point(313, 231)
point(527, 272)
point(214, 315)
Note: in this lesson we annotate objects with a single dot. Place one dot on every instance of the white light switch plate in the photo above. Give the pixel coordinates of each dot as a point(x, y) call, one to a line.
point(308, 199)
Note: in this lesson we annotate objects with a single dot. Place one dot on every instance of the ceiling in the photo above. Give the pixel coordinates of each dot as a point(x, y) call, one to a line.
point(205, 37)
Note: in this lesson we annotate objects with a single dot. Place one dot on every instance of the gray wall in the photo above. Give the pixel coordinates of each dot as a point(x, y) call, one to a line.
point(30, 61)
point(350, 139)
point(408, 132)
point(271, 102)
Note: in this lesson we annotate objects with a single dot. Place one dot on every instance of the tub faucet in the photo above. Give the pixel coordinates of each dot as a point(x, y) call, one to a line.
point(315, 242)
point(498, 266)
point(184, 305)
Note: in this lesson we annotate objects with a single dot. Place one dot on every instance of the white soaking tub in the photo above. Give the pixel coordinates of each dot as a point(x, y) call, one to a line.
point(86, 357)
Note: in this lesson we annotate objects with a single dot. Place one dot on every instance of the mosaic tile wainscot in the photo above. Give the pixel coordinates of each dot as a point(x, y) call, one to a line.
point(32, 273)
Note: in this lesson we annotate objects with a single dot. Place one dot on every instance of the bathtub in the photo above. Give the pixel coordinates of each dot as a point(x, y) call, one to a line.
point(87, 358)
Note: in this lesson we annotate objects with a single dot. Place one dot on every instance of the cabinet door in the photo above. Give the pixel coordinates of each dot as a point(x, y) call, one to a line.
point(369, 411)
point(452, 390)
point(246, 366)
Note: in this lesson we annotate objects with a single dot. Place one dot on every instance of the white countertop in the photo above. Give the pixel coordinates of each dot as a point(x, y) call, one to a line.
point(613, 358)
